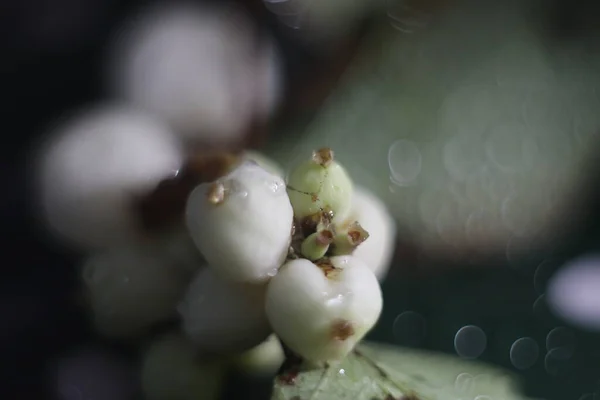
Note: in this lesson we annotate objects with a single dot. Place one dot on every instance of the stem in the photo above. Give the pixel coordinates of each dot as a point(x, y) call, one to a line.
point(316, 222)
point(345, 243)
point(316, 245)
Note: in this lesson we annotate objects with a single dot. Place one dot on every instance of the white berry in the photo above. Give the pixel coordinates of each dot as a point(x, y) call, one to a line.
point(242, 223)
point(223, 317)
point(198, 68)
point(262, 360)
point(374, 217)
point(96, 166)
point(171, 371)
point(322, 311)
point(270, 77)
point(130, 288)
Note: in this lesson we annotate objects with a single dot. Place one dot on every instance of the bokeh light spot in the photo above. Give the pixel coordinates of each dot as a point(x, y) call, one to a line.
point(409, 329)
point(524, 353)
point(470, 342)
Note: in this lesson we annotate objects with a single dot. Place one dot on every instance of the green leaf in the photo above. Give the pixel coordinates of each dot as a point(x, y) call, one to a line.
point(376, 371)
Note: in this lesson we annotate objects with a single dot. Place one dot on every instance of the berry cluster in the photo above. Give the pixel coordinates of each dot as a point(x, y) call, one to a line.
point(253, 229)
point(226, 255)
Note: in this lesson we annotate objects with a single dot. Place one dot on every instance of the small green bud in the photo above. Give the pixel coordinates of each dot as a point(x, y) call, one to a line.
point(320, 184)
point(316, 245)
point(344, 243)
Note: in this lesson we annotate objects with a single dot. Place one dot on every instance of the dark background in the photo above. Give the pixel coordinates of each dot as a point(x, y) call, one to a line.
point(52, 54)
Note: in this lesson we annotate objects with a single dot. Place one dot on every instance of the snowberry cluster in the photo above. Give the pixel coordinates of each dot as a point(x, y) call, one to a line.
point(249, 261)
point(296, 240)
point(213, 257)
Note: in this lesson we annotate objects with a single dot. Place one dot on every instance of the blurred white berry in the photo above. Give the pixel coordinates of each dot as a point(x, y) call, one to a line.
point(320, 184)
point(269, 80)
point(130, 288)
point(91, 171)
point(572, 292)
point(242, 223)
point(222, 317)
point(374, 217)
point(204, 69)
point(262, 360)
point(171, 370)
point(321, 311)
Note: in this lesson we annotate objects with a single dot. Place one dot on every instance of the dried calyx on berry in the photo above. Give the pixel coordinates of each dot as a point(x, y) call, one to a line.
point(328, 239)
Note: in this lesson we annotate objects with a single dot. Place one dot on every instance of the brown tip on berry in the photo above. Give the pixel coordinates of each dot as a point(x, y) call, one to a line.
point(342, 330)
point(216, 193)
point(325, 237)
point(327, 267)
point(357, 234)
point(323, 156)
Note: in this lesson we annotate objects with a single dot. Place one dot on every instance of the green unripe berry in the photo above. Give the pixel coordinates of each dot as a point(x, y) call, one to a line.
point(320, 184)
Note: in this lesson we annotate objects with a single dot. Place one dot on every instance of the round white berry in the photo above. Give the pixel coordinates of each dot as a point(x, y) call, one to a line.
point(223, 317)
point(372, 214)
point(322, 311)
point(171, 371)
point(262, 360)
point(269, 79)
point(92, 171)
point(242, 223)
point(130, 288)
point(196, 67)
